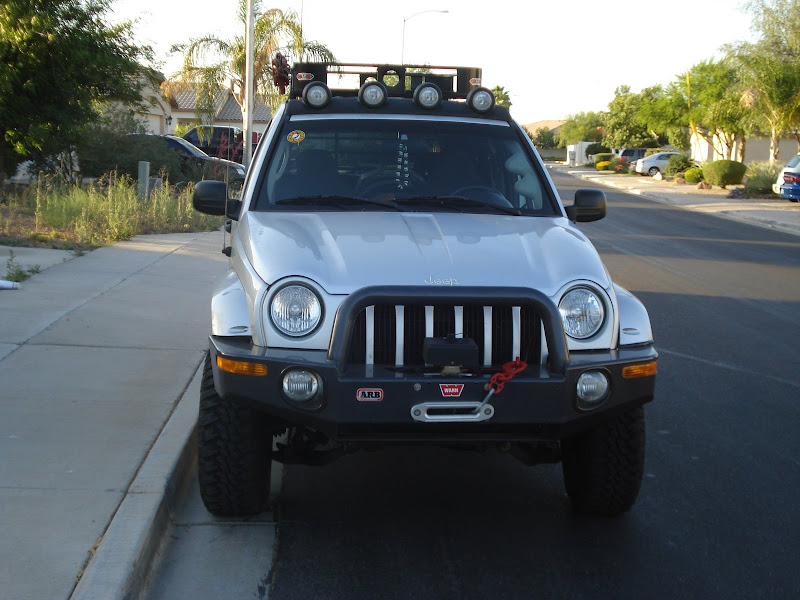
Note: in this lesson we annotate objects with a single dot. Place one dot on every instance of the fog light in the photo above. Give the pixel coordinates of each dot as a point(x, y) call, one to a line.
point(300, 385)
point(592, 388)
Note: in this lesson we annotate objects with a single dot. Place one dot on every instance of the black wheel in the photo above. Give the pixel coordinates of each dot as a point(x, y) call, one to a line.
point(603, 467)
point(234, 453)
point(653, 171)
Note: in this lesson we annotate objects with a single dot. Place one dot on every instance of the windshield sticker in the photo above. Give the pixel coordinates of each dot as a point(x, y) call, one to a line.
point(296, 136)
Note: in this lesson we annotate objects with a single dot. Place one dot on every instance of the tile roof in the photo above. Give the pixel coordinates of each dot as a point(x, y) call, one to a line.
point(183, 98)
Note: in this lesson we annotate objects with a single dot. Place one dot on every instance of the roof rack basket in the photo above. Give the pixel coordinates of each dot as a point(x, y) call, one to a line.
point(401, 81)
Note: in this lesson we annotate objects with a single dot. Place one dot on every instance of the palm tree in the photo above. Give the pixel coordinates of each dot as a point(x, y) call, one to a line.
point(212, 64)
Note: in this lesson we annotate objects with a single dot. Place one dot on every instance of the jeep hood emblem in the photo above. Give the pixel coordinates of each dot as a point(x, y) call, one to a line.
point(431, 280)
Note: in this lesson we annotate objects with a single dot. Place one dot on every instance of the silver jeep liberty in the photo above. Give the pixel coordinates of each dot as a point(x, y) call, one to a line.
point(403, 271)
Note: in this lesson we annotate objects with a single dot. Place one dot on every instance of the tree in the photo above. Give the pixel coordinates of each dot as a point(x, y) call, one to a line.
point(582, 127)
point(212, 64)
point(501, 97)
point(544, 138)
point(770, 69)
point(623, 128)
point(703, 101)
point(60, 60)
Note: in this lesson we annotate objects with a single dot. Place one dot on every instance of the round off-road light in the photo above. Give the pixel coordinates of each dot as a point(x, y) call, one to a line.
point(428, 95)
point(480, 100)
point(373, 94)
point(300, 385)
point(316, 95)
point(592, 388)
point(296, 310)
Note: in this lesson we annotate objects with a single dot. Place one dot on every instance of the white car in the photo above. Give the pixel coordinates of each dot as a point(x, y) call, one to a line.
point(655, 163)
point(396, 257)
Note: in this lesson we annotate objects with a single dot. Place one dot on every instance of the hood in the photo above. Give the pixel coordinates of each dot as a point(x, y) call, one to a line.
point(343, 252)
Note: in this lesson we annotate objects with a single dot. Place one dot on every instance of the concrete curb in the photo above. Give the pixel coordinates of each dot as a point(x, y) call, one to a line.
point(122, 563)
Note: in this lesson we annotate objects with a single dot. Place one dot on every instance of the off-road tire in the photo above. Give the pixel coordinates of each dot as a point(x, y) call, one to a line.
point(234, 453)
point(603, 467)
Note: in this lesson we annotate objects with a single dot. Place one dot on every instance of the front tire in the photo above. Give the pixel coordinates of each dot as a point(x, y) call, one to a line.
point(603, 467)
point(234, 453)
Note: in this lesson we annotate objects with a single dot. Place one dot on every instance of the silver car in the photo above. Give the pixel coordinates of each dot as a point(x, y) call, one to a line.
point(402, 270)
point(653, 164)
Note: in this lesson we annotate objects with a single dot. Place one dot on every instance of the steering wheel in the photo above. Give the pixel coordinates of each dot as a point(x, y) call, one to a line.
point(385, 185)
point(484, 193)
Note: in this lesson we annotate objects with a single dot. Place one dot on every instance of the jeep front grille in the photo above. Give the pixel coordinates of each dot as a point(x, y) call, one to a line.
point(388, 334)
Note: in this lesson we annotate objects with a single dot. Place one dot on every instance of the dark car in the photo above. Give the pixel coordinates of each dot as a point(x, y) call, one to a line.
point(217, 141)
point(210, 167)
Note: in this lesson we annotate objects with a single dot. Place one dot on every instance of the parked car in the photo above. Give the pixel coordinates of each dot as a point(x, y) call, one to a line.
point(217, 141)
point(394, 256)
point(788, 183)
point(655, 163)
point(211, 166)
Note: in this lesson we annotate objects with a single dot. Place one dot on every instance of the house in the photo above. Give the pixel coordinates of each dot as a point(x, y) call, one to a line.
point(183, 104)
point(757, 149)
point(552, 125)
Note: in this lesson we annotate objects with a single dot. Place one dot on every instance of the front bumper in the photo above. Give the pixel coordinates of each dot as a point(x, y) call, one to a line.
point(537, 405)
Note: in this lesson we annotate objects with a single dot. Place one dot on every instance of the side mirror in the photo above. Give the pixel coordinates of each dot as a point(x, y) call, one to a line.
point(211, 197)
point(590, 205)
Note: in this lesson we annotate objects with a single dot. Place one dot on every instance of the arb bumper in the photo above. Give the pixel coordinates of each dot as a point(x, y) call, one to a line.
point(374, 403)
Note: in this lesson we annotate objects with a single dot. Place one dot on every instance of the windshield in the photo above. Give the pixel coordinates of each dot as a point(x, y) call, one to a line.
point(415, 164)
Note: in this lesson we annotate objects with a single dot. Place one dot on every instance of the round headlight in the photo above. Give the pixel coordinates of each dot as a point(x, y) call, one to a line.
point(480, 100)
point(296, 310)
point(373, 94)
point(316, 94)
point(428, 95)
point(582, 312)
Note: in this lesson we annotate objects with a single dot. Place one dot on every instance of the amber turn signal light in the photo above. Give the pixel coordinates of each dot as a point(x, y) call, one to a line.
point(241, 367)
point(645, 370)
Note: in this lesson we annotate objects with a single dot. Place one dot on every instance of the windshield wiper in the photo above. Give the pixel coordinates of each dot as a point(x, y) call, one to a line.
point(457, 202)
point(336, 201)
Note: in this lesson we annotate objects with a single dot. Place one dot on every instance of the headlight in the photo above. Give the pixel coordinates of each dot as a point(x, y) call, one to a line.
point(582, 312)
point(295, 310)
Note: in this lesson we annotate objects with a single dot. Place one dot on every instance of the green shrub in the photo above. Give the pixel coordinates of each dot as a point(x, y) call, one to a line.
point(651, 151)
point(724, 172)
point(761, 176)
point(693, 175)
point(678, 164)
point(603, 165)
point(603, 157)
point(596, 148)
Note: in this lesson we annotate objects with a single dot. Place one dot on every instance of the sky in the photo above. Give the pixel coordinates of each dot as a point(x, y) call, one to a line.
point(553, 58)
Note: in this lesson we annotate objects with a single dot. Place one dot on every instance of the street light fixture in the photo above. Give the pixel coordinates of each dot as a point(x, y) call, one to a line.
point(403, 49)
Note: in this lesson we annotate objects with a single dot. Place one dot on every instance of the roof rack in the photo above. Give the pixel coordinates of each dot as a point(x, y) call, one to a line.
point(400, 80)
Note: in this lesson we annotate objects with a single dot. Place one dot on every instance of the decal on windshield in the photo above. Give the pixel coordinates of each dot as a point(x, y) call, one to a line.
point(296, 136)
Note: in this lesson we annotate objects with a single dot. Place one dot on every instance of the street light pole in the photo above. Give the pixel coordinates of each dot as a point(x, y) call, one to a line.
point(403, 48)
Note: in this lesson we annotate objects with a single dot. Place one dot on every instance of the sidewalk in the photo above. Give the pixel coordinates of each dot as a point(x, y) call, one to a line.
point(95, 355)
point(777, 214)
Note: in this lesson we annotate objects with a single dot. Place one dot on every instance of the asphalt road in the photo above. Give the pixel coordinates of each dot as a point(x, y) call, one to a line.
point(716, 517)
